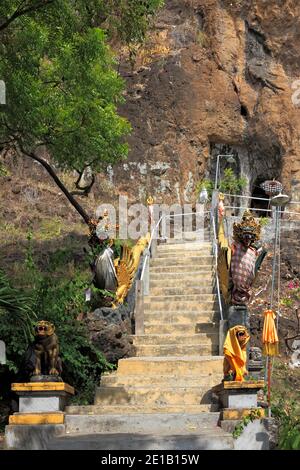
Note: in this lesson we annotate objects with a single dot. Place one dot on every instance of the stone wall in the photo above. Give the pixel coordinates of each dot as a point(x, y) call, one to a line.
point(214, 77)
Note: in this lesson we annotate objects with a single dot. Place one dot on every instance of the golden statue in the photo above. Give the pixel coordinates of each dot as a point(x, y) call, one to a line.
point(42, 356)
point(127, 266)
point(248, 230)
point(235, 354)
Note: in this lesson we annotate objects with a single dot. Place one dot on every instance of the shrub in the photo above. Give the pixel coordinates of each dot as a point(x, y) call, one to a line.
point(57, 299)
point(288, 418)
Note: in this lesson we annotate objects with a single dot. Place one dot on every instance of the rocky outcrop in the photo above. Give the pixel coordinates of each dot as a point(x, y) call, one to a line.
point(110, 331)
point(215, 77)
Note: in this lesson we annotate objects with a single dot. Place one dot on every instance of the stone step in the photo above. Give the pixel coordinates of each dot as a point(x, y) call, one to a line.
point(153, 396)
point(209, 328)
point(193, 246)
point(178, 261)
point(179, 290)
point(182, 253)
point(130, 409)
point(176, 329)
point(182, 269)
point(210, 439)
point(174, 339)
point(176, 349)
point(182, 305)
point(202, 236)
point(186, 365)
point(163, 280)
point(197, 297)
point(179, 317)
point(113, 379)
point(141, 423)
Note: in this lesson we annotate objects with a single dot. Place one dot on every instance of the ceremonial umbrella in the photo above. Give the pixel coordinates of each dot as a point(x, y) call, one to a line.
point(270, 345)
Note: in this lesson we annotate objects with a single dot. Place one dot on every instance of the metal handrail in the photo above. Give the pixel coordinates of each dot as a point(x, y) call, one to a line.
point(215, 251)
point(155, 230)
point(255, 198)
point(261, 210)
point(149, 248)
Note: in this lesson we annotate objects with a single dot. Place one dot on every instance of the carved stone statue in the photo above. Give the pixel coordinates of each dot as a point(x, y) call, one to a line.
point(246, 258)
point(255, 362)
point(42, 356)
point(102, 262)
point(238, 266)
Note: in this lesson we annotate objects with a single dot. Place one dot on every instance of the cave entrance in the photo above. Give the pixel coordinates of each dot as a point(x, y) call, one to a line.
point(262, 205)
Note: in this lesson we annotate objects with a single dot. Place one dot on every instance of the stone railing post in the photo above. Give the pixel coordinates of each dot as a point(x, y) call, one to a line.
point(139, 308)
point(223, 328)
point(2, 352)
point(154, 247)
point(146, 278)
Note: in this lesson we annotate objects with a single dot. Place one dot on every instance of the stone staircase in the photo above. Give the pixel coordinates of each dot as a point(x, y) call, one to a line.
point(161, 399)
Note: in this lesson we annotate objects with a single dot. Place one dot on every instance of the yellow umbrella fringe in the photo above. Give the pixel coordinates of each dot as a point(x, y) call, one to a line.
point(270, 349)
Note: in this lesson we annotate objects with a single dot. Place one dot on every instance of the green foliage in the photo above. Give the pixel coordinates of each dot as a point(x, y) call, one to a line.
point(287, 414)
point(264, 221)
point(230, 183)
point(62, 87)
point(61, 303)
point(16, 313)
point(3, 170)
point(130, 18)
point(205, 184)
point(59, 300)
point(239, 428)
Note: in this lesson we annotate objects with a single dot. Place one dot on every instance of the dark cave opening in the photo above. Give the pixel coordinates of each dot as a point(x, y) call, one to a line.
point(244, 111)
point(262, 206)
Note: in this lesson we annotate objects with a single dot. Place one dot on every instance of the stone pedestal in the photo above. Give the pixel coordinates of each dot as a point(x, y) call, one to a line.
point(238, 400)
point(238, 315)
point(239, 394)
point(41, 402)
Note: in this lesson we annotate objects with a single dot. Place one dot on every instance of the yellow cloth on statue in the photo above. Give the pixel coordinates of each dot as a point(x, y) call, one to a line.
point(234, 353)
point(270, 336)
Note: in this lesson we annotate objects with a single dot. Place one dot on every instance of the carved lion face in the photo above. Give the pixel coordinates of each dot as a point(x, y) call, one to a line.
point(44, 328)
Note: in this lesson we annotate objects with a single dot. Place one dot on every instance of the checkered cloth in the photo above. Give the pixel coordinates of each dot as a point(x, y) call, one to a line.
point(242, 272)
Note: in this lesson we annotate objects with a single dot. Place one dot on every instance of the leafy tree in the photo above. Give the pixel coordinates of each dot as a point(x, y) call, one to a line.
point(62, 86)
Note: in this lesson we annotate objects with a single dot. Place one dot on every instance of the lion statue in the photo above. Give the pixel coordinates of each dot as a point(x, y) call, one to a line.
point(42, 356)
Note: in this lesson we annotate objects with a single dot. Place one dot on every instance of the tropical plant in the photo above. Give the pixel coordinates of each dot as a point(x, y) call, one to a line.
point(15, 307)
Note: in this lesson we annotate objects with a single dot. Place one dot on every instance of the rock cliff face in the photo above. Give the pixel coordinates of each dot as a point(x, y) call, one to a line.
point(215, 77)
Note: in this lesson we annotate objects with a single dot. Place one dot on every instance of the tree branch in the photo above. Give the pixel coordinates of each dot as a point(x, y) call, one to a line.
point(59, 183)
point(21, 12)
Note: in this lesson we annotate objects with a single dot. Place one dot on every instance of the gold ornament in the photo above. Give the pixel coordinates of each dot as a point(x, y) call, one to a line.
point(247, 226)
point(127, 266)
point(150, 201)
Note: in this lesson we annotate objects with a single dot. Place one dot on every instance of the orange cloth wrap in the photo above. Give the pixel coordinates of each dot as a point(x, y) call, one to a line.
point(270, 336)
point(235, 353)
